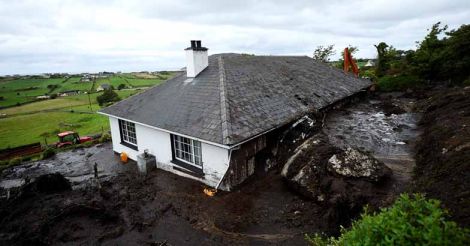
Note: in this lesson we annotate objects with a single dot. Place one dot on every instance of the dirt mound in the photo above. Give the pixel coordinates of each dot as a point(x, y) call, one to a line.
point(47, 184)
point(341, 180)
point(443, 153)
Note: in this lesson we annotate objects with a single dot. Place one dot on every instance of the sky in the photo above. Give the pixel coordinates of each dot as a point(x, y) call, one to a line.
point(41, 36)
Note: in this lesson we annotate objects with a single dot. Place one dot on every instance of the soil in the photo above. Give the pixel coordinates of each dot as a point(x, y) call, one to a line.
point(123, 207)
point(443, 152)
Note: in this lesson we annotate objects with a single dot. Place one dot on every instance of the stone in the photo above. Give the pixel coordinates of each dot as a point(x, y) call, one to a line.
point(358, 164)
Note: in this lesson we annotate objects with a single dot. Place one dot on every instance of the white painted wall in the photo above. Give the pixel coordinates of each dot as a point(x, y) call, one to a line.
point(196, 61)
point(215, 159)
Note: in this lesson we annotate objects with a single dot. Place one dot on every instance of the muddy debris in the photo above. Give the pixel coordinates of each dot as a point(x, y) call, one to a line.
point(341, 180)
point(443, 152)
point(164, 209)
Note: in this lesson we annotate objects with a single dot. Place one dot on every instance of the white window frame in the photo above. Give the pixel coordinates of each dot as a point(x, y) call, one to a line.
point(128, 132)
point(187, 150)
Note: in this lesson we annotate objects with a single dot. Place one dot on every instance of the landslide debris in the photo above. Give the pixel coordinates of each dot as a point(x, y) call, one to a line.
point(343, 181)
point(443, 153)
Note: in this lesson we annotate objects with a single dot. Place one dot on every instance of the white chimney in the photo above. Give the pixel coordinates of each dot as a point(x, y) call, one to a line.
point(196, 59)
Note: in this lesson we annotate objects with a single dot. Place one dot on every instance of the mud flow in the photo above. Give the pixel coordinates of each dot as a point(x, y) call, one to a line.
point(370, 126)
point(164, 209)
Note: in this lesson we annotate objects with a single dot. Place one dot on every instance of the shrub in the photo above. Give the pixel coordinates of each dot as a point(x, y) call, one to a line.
point(53, 96)
point(121, 86)
point(49, 152)
point(398, 83)
point(108, 96)
point(411, 220)
point(105, 138)
point(15, 161)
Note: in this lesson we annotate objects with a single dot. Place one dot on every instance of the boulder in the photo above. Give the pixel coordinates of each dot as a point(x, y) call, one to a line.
point(358, 164)
point(325, 173)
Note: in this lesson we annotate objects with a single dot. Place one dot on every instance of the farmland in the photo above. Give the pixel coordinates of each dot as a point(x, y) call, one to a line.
point(25, 119)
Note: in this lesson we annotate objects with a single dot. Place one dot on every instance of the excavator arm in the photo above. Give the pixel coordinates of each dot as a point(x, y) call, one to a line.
point(349, 62)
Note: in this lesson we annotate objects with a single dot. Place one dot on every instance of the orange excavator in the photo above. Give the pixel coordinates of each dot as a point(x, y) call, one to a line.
point(349, 62)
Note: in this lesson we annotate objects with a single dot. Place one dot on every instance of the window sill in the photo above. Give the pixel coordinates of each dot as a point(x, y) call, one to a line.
point(134, 147)
point(187, 166)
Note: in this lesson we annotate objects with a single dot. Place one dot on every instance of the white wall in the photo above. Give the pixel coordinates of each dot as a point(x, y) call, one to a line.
point(215, 159)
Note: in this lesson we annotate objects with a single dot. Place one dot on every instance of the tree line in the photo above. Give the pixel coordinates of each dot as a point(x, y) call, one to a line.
point(443, 56)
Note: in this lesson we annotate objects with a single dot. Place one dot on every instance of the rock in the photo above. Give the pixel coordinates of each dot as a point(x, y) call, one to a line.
point(357, 164)
point(327, 174)
point(303, 169)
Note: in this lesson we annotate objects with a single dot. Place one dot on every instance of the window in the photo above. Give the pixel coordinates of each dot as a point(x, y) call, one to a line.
point(128, 136)
point(187, 150)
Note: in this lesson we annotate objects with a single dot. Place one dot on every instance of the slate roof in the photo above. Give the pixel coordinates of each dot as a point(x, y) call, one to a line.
point(239, 96)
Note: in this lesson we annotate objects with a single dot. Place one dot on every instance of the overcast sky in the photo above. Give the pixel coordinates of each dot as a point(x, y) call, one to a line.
point(89, 35)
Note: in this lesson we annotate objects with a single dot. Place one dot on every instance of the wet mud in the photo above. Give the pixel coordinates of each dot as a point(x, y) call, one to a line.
point(124, 207)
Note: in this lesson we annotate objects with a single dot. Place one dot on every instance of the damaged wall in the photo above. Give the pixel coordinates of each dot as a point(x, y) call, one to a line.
point(276, 146)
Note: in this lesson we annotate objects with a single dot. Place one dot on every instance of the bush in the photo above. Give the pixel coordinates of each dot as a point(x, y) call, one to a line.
point(53, 96)
point(121, 86)
point(398, 83)
point(49, 152)
point(108, 96)
point(15, 161)
point(412, 220)
point(105, 138)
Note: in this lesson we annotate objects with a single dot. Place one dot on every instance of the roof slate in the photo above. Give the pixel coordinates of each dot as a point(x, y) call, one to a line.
point(239, 96)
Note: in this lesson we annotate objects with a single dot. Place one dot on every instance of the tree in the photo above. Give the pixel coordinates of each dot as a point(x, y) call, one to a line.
point(427, 59)
point(352, 51)
point(456, 54)
point(107, 97)
point(383, 58)
point(323, 54)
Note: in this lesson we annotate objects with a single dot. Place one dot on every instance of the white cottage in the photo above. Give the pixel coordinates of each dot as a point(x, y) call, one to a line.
point(210, 122)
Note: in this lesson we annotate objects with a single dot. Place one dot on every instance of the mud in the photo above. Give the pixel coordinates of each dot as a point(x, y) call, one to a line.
point(443, 152)
point(123, 207)
point(389, 136)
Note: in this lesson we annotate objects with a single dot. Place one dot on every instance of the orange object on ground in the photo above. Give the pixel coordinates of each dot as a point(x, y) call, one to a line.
point(210, 192)
point(124, 157)
point(349, 62)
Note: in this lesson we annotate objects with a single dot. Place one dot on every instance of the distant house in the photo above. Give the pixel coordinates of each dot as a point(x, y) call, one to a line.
point(370, 63)
point(103, 87)
point(211, 122)
point(69, 93)
point(43, 97)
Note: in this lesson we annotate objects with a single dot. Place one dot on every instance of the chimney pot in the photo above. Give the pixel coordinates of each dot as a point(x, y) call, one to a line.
point(198, 43)
point(193, 44)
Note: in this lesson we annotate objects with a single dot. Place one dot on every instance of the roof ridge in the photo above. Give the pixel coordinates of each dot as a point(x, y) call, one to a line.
point(224, 110)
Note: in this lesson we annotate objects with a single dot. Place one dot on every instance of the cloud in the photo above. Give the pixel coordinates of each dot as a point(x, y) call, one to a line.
point(86, 35)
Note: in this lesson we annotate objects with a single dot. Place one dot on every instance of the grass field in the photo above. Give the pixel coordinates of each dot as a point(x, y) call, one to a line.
point(23, 90)
point(28, 123)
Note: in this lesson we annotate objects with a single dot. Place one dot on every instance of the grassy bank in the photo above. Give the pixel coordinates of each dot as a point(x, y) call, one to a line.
point(42, 120)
